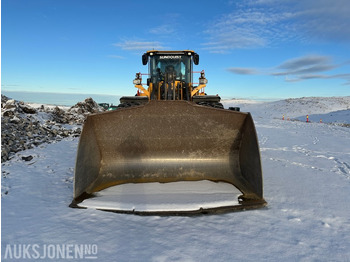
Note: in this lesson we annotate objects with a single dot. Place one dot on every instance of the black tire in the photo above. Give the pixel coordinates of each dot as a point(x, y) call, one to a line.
point(128, 104)
point(211, 104)
point(234, 109)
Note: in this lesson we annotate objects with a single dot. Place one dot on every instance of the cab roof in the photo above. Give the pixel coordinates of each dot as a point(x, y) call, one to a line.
point(170, 52)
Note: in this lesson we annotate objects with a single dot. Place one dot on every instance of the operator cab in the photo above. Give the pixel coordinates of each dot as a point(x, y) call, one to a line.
point(170, 66)
point(170, 73)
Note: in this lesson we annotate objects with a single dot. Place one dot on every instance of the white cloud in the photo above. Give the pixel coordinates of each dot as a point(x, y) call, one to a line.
point(327, 20)
point(319, 76)
point(116, 56)
point(300, 62)
point(262, 23)
point(309, 67)
point(131, 45)
point(305, 65)
point(247, 28)
point(299, 69)
point(243, 70)
point(165, 29)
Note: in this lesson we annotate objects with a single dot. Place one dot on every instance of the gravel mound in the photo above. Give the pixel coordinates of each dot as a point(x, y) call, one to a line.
point(24, 126)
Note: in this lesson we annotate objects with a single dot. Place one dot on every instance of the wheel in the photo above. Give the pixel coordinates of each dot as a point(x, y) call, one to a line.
point(211, 104)
point(234, 108)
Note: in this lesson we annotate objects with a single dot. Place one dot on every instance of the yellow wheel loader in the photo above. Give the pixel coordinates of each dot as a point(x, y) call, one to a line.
point(170, 131)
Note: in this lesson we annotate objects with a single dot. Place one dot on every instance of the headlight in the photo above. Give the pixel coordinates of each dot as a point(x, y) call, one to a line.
point(137, 82)
point(203, 81)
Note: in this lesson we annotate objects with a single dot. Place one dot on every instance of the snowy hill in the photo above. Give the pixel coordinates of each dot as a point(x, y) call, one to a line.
point(295, 108)
point(306, 169)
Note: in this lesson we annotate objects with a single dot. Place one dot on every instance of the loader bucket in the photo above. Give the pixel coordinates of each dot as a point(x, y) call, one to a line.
point(169, 141)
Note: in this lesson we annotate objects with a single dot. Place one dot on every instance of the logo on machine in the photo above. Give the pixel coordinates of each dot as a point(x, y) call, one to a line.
point(170, 57)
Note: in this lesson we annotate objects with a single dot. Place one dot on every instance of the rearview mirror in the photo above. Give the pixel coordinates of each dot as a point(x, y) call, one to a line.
point(144, 59)
point(195, 58)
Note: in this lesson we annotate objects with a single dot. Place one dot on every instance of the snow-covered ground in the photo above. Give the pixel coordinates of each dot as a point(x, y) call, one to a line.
point(306, 170)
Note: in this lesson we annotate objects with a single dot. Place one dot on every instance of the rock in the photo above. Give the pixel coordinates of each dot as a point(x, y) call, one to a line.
point(28, 109)
point(23, 128)
point(8, 113)
point(4, 99)
point(87, 106)
point(27, 158)
point(10, 104)
point(4, 153)
point(15, 120)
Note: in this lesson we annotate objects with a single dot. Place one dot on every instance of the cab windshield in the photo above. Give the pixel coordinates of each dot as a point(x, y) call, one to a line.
point(179, 65)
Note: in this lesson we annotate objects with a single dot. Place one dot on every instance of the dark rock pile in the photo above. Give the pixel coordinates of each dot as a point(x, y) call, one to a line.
point(78, 112)
point(24, 127)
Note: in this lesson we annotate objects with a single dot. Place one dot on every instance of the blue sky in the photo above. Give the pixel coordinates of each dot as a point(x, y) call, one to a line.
point(248, 48)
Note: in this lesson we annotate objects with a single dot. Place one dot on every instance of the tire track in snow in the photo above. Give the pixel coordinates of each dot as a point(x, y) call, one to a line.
point(337, 166)
point(343, 167)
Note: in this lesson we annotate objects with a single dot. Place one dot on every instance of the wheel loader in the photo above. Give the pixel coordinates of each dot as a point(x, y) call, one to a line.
point(170, 131)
